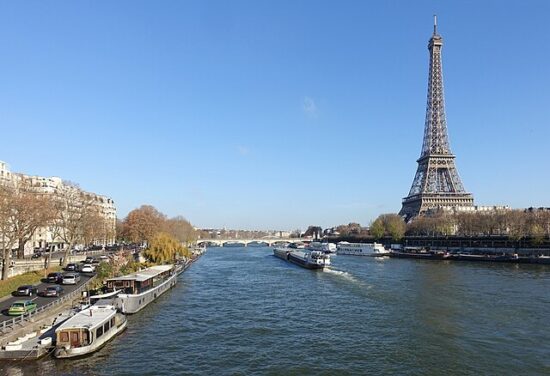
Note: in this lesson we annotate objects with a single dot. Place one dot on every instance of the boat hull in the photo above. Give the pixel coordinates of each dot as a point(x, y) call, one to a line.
point(419, 256)
point(281, 253)
point(301, 258)
point(303, 263)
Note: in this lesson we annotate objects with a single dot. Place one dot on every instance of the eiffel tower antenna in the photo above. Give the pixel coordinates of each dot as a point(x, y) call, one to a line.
point(436, 183)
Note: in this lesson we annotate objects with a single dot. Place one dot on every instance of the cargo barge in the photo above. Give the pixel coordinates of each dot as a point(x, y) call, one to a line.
point(308, 260)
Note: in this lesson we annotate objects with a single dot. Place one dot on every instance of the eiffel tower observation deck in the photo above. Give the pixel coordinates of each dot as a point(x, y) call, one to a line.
point(436, 183)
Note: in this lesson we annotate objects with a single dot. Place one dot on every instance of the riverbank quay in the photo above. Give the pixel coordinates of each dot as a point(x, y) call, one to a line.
point(23, 266)
point(21, 337)
point(493, 244)
point(38, 342)
point(513, 258)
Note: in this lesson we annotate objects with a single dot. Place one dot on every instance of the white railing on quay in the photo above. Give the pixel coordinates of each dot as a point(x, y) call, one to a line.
point(10, 325)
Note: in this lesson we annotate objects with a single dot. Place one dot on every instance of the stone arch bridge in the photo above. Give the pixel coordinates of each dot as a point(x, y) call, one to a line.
point(246, 242)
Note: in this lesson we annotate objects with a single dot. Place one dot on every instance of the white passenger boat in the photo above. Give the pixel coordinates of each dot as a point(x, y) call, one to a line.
point(88, 330)
point(308, 260)
point(361, 249)
point(141, 288)
point(322, 247)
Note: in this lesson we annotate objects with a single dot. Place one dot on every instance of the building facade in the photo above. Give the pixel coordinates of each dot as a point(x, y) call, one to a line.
point(45, 237)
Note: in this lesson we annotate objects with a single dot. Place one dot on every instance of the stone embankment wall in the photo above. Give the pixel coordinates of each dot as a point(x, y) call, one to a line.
point(24, 266)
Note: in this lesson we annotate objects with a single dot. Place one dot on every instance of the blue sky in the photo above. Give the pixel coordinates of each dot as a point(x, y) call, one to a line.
point(273, 114)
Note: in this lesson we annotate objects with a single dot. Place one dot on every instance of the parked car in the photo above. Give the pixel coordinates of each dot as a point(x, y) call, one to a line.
point(70, 267)
point(103, 258)
point(21, 307)
point(54, 291)
point(55, 277)
point(89, 260)
point(25, 290)
point(71, 278)
point(87, 268)
point(36, 255)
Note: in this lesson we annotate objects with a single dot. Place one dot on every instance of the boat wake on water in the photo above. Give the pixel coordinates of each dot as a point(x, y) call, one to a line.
point(344, 275)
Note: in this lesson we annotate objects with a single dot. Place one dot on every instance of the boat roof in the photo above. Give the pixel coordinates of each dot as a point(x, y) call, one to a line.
point(145, 274)
point(89, 318)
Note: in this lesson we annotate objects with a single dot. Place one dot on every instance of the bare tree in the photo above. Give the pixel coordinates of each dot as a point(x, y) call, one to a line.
point(181, 229)
point(31, 211)
point(73, 210)
point(95, 227)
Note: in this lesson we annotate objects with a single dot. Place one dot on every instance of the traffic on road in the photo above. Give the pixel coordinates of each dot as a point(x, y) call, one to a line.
point(40, 294)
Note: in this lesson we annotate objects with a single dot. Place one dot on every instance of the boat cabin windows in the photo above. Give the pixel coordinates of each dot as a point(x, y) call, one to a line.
point(85, 337)
point(74, 337)
point(127, 286)
point(64, 337)
point(99, 332)
point(141, 281)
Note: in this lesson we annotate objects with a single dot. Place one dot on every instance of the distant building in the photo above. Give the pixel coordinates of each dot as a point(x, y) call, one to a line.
point(475, 209)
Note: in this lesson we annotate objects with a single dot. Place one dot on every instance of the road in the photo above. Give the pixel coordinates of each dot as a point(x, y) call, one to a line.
point(40, 301)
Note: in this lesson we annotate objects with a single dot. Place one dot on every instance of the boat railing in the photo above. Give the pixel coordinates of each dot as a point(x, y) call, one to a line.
point(19, 321)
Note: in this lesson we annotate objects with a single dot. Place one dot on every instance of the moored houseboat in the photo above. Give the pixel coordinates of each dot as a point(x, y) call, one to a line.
point(141, 288)
point(88, 331)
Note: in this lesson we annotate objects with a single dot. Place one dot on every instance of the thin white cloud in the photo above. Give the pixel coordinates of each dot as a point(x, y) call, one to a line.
point(243, 150)
point(309, 107)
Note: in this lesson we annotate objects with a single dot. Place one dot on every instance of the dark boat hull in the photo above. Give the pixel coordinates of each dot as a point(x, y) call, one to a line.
point(419, 256)
point(303, 263)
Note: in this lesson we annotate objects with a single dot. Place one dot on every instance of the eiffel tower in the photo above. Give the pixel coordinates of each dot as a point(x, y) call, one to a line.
point(436, 183)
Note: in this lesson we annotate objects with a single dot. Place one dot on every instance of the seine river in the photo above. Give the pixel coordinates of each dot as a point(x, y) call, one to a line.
point(241, 311)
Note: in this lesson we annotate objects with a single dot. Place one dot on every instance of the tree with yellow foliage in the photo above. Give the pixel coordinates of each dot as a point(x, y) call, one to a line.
point(163, 249)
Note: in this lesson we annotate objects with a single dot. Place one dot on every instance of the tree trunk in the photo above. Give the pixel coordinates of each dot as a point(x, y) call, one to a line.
point(48, 257)
point(66, 255)
point(6, 264)
point(21, 248)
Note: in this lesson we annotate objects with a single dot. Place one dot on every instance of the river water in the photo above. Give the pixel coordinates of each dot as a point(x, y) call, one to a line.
point(241, 311)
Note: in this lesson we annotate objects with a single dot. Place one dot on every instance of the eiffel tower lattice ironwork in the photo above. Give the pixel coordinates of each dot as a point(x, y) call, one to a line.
point(436, 183)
